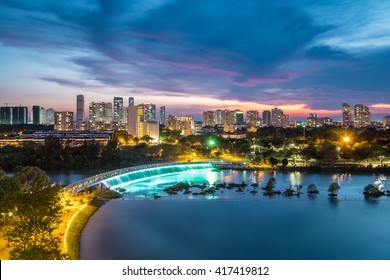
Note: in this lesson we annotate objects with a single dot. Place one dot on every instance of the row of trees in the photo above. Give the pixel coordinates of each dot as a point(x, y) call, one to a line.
point(55, 155)
point(30, 211)
point(272, 145)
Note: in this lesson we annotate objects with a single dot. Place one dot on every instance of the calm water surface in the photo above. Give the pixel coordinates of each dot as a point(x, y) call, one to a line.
point(232, 225)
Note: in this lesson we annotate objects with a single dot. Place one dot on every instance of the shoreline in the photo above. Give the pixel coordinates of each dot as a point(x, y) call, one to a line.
point(320, 169)
point(76, 225)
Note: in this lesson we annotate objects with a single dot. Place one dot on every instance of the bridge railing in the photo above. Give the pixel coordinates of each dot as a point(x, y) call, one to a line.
point(96, 179)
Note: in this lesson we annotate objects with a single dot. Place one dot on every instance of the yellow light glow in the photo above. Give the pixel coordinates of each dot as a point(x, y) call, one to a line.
point(346, 139)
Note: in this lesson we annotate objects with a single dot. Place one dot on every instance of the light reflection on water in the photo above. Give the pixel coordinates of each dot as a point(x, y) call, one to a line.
point(351, 185)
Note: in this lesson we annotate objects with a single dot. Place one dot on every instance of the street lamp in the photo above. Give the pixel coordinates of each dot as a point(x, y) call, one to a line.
point(211, 142)
point(346, 139)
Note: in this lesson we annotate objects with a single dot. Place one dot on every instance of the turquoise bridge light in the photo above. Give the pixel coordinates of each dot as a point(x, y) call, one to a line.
point(121, 177)
point(140, 175)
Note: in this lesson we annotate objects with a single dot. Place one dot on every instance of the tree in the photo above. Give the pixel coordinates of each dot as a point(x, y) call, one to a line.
point(269, 187)
point(312, 189)
point(273, 161)
point(284, 162)
point(110, 154)
point(333, 189)
point(37, 211)
point(372, 191)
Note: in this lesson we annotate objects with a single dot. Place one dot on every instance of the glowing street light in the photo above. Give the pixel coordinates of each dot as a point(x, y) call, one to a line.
point(212, 142)
point(346, 139)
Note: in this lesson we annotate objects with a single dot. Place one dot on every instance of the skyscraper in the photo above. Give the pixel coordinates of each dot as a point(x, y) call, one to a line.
point(162, 115)
point(362, 116)
point(132, 118)
point(252, 117)
point(209, 118)
point(118, 105)
point(6, 115)
point(63, 121)
point(42, 116)
point(80, 108)
point(19, 115)
point(221, 116)
point(149, 111)
point(386, 122)
point(278, 118)
point(239, 117)
point(185, 124)
point(36, 110)
point(50, 116)
point(267, 118)
point(346, 115)
point(100, 112)
point(131, 101)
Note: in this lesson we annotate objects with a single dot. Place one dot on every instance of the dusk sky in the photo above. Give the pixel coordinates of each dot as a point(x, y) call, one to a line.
point(191, 56)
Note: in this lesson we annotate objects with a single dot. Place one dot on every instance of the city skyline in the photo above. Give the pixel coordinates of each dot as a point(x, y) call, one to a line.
point(299, 56)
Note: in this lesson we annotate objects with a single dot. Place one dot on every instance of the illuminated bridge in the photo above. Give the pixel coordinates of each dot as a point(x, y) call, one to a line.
point(118, 178)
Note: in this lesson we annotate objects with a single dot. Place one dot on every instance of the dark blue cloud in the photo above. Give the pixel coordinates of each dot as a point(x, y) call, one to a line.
point(328, 53)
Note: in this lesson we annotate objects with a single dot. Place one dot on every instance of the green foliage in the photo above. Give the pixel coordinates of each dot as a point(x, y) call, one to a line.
point(36, 210)
point(311, 188)
point(372, 191)
point(333, 188)
point(269, 187)
point(77, 226)
point(273, 161)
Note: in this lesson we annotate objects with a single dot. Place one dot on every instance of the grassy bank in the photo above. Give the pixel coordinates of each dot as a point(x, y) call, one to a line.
point(79, 220)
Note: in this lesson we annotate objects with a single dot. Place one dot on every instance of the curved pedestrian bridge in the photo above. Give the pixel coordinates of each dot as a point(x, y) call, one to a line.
point(121, 177)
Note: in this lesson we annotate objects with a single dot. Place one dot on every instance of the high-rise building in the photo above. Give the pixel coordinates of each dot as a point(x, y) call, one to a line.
point(123, 117)
point(118, 105)
point(209, 118)
point(132, 118)
point(312, 120)
point(100, 112)
point(171, 122)
point(278, 118)
point(80, 107)
point(140, 122)
point(50, 116)
point(131, 101)
point(267, 118)
point(42, 116)
point(252, 117)
point(19, 115)
point(386, 122)
point(239, 117)
point(149, 112)
point(185, 124)
point(362, 116)
point(150, 128)
point(162, 115)
point(6, 115)
point(222, 116)
point(63, 121)
point(36, 110)
point(346, 115)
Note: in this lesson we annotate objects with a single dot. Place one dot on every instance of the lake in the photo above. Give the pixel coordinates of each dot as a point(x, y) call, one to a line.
point(233, 225)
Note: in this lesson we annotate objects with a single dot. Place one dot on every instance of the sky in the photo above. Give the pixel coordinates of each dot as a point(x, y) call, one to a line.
point(192, 56)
